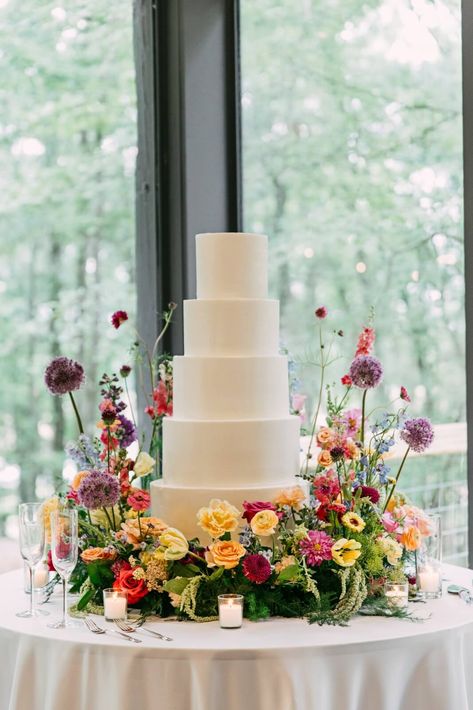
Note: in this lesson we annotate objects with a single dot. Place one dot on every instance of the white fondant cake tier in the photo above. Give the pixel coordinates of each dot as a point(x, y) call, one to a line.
point(230, 453)
point(232, 265)
point(230, 387)
point(178, 506)
point(231, 327)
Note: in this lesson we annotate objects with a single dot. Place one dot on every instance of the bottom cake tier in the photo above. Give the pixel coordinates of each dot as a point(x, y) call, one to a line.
point(178, 506)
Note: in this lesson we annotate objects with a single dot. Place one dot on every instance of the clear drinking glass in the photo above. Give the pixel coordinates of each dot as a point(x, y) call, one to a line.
point(31, 528)
point(64, 550)
point(429, 562)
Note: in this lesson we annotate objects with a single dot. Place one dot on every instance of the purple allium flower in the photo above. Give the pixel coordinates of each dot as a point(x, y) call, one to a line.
point(316, 547)
point(366, 372)
point(418, 434)
point(63, 375)
point(256, 568)
point(128, 435)
point(99, 489)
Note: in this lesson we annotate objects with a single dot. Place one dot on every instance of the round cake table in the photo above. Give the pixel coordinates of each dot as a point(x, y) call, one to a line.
point(373, 664)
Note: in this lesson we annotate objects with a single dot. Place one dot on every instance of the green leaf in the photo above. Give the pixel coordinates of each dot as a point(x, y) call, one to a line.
point(217, 574)
point(85, 599)
point(100, 574)
point(177, 585)
point(289, 573)
point(180, 570)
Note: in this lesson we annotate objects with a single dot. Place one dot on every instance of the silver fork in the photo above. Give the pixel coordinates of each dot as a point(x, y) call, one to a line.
point(131, 629)
point(92, 626)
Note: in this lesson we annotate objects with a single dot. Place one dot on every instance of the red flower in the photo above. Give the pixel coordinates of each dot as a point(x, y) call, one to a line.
point(256, 568)
point(72, 495)
point(404, 395)
point(162, 399)
point(346, 380)
point(326, 489)
point(365, 342)
point(321, 312)
point(138, 500)
point(51, 566)
point(371, 493)
point(118, 318)
point(136, 588)
point(252, 508)
point(118, 566)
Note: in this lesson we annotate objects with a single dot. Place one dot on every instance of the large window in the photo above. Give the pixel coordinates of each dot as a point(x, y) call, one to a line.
point(352, 163)
point(67, 154)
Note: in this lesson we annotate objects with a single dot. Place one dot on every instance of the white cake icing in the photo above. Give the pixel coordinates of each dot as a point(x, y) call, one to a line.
point(231, 435)
point(230, 387)
point(231, 327)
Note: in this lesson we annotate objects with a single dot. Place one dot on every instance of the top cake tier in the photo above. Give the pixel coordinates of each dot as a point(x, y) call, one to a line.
point(232, 265)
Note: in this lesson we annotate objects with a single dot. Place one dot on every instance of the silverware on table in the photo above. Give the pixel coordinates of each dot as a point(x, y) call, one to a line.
point(95, 629)
point(462, 592)
point(129, 629)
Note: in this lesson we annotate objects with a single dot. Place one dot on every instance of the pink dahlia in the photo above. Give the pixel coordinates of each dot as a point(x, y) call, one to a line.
point(316, 547)
point(118, 318)
point(256, 568)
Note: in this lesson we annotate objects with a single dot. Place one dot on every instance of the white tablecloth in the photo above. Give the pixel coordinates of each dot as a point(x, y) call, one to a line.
point(374, 664)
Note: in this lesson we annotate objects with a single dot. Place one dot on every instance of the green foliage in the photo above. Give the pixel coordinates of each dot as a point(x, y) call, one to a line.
point(100, 574)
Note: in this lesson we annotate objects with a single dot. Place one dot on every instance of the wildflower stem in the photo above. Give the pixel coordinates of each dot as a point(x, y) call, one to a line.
point(397, 479)
point(319, 403)
point(139, 525)
point(363, 409)
point(130, 403)
point(108, 517)
point(76, 412)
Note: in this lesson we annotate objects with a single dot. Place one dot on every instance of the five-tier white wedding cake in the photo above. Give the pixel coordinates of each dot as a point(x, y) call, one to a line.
point(231, 435)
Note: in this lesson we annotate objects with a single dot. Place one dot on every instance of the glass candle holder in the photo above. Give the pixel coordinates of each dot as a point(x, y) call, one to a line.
point(230, 610)
point(40, 577)
point(115, 604)
point(396, 594)
point(429, 562)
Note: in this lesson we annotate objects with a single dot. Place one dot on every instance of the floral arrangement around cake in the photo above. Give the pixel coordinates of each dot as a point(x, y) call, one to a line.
point(325, 557)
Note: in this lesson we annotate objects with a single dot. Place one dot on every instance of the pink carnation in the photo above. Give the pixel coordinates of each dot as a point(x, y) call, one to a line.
point(138, 500)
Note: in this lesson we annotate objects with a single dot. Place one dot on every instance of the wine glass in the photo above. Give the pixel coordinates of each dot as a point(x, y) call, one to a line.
point(31, 528)
point(64, 550)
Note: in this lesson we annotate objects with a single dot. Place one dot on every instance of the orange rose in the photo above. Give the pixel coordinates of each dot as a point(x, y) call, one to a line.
point(325, 438)
point(224, 553)
point(411, 538)
point(291, 497)
point(324, 459)
point(98, 553)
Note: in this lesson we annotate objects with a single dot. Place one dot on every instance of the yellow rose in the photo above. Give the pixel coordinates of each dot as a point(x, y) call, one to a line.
point(346, 552)
point(224, 553)
point(324, 459)
point(99, 516)
point(174, 545)
point(49, 506)
point(264, 522)
point(352, 521)
point(220, 517)
point(325, 437)
point(291, 497)
point(144, 464)
point(78, 478)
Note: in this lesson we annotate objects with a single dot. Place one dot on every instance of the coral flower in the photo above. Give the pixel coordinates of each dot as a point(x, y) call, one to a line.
point(324, 459)
point(138, 500)
point(224, 553)
point(365, 342)
point(346, 380)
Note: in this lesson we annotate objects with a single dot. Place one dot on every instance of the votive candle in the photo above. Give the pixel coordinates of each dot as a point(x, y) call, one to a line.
point(114, 604)
point(396, 594)
point(230, 610)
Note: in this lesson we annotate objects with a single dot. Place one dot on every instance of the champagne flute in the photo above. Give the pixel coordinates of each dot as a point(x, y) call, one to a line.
point(64, 550)
point(31, 528)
